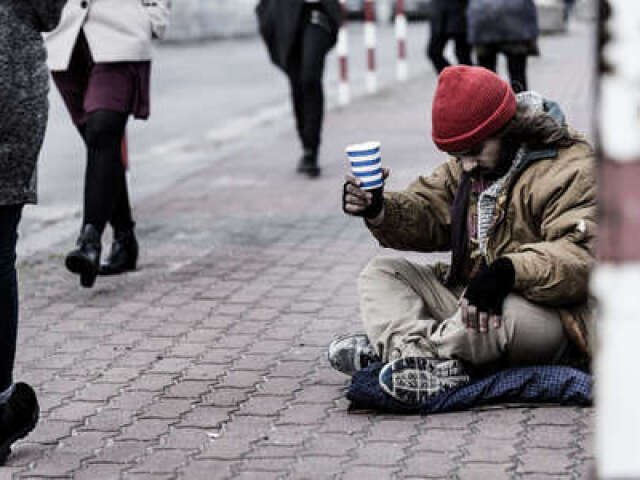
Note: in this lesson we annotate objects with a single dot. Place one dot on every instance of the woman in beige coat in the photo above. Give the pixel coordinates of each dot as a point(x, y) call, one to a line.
point(100, 58)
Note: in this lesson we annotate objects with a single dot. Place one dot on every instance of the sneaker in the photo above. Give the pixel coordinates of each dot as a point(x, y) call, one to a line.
point(412, 380)
point(18, 416)
point(350, 353)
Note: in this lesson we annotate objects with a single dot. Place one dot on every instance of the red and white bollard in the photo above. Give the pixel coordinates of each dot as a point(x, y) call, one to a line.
point(370, 45)
point(344, 94)
point(617, 275)
point(402, 69)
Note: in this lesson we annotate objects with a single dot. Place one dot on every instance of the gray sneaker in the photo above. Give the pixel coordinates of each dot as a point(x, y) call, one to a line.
point(412, 380)
point(350, 353)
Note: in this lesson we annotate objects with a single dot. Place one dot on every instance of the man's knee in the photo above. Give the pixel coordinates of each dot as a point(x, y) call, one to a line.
point(517, 310)
point(384, 267)
point(533, 333)
point(513, 306)
point(379, 266)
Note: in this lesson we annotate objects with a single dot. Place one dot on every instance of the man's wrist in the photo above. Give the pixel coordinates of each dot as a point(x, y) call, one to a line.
point(377, 220)
point(376, 205)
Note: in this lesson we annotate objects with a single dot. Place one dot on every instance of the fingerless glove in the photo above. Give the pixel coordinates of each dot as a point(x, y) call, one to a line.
point(488, 289)
point(373, 210)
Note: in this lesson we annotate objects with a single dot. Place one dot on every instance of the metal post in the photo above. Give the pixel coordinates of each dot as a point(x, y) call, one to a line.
point(344, 94)
point(616, 279)
point(402, 70)
point(370, 45)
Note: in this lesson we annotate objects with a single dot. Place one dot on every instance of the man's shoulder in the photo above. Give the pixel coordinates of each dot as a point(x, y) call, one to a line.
point(579, 155)
point(572, 166)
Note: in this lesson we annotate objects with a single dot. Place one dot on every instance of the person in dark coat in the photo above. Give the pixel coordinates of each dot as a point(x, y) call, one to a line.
point(568, 6)
point(448, 22)
point(509, 27)
point(24, 107)
point(298, 35)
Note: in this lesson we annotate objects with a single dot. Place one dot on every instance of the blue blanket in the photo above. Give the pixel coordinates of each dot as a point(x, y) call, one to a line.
point(548, 384)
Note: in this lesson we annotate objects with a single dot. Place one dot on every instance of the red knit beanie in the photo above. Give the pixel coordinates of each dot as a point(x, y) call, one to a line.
point(469, 106)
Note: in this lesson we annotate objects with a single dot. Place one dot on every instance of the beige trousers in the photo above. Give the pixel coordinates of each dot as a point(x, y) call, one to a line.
point(407, 311)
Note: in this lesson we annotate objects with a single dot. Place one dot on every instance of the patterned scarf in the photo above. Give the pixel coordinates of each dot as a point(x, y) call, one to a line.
point(473, 224)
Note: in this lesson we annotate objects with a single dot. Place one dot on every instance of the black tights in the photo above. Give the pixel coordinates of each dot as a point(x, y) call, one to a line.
point(516, 64)
point(106, 198)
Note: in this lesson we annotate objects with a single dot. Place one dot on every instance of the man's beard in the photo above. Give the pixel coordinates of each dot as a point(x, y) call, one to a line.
point(506, 155)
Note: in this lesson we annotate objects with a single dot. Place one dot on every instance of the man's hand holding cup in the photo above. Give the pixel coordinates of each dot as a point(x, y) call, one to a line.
point(363, 188)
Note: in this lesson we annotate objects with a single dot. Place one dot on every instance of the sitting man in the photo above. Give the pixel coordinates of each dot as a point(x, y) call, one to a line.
point(515, 202)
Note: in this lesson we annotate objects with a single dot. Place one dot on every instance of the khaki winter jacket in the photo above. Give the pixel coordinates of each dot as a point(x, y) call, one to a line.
point(546, 225)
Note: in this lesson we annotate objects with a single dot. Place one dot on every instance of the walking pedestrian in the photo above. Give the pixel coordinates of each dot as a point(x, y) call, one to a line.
point(568, 7)
point(298, 35)
point(509, 27)
point(448, 22)
point(515, 202)
point(24, 106)
point(100, 58)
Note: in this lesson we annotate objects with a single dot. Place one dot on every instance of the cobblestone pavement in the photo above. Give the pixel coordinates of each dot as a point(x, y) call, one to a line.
point(209, 362)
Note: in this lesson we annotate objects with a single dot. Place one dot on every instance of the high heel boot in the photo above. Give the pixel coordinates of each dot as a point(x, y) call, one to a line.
point(308, 164)
point(85, 258)
point(124, 253)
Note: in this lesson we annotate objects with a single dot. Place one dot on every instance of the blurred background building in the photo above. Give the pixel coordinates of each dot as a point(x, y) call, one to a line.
point(207, 19)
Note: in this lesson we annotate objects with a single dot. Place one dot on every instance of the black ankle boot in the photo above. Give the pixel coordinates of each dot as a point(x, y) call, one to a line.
point(124, 253)
point(85, 259)
point(308, 164)
point(18, 416)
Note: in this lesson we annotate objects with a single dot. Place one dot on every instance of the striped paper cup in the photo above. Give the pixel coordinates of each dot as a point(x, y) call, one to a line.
point(366, 164)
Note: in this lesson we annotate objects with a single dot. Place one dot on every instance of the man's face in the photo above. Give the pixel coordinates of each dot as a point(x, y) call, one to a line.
point(482, 159)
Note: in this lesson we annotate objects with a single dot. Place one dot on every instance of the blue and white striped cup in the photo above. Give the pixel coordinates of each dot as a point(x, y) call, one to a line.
point(366, 164)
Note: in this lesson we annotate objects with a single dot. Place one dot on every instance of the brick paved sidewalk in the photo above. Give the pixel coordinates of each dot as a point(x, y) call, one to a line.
point(209, 362)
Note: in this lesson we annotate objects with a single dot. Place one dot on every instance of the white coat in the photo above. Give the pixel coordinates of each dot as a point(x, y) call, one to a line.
point(116, 30)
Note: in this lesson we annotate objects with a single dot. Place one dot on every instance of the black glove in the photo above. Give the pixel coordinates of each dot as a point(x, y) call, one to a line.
point(488, 289)
point(373, 210)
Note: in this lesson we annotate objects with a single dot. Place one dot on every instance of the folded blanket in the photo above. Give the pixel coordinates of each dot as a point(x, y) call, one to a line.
point(547, 384)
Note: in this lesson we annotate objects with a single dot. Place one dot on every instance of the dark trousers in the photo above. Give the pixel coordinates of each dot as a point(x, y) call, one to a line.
point(9, 219)
point(305, 70)
point(437, 43)
point(106, 198)
point(568, 6)
point(516, 65)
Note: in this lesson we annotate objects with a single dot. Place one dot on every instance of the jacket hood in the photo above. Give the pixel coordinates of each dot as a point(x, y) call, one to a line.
point(537, 103)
